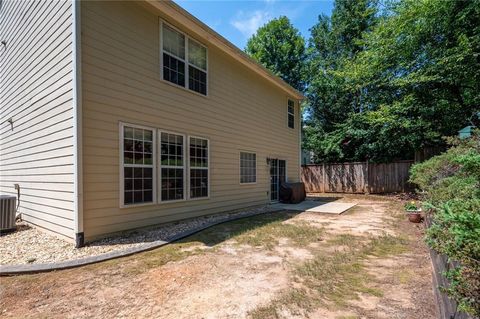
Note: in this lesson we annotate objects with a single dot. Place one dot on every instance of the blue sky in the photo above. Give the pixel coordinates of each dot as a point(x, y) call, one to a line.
point(238, 20)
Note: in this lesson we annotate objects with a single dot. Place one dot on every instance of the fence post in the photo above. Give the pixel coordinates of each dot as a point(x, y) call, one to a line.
point(323, 177)
point(367, 178)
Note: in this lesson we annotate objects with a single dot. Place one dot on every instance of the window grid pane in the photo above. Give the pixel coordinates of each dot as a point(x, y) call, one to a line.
point(291, 114)
point(248, 167)
point(172, 166)
point(198, 167)
point(138, 165)
point(173, 42)
point(197, 80)
point(197, 55)
point(173, 70)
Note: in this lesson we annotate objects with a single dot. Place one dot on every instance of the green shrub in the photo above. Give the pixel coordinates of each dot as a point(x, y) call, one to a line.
point(450, 184)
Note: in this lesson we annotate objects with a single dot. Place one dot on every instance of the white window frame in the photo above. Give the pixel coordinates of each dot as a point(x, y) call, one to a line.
point(160, 166)
point(289, 113)
point(189, 168)
point(122, 125)
point(240, 167)
point(279, 158)
point(187, 63)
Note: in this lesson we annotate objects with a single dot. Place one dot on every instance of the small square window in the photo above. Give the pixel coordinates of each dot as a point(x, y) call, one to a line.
point(248, 168)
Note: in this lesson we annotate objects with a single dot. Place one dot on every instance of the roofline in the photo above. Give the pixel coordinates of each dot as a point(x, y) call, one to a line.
point(183, 17)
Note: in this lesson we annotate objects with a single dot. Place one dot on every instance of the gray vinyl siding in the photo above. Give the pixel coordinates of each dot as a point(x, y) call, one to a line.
point(36, 85)
point(121, 83)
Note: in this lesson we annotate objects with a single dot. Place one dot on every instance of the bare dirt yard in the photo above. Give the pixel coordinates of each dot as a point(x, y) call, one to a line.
point(366, 263)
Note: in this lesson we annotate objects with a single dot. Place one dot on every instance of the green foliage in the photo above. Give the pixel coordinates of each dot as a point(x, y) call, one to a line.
point(398, 83)
point(452, 185)
point(334, 41)
point(410, 206)
point(281, 49)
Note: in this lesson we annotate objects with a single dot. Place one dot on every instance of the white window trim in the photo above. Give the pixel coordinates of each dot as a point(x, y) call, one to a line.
point(289, 113)
point(187, 63)
point(240, 167)
point(157, 166)
point(189, 168)
point(160, 166)
point(122, 125)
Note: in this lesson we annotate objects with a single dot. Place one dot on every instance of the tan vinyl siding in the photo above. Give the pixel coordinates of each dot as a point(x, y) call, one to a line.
point(36, 93)
point(121, 83)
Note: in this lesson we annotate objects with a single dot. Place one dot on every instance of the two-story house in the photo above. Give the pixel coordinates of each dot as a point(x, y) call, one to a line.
point(118, 115)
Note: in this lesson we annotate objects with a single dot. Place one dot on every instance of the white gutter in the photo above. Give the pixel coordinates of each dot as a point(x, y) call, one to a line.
point(77, 125)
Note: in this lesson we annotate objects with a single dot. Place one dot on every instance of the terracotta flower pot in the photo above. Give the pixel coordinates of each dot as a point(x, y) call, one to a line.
point(414, 216)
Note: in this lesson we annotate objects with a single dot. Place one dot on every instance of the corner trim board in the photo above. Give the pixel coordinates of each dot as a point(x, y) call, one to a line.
point(77, 120)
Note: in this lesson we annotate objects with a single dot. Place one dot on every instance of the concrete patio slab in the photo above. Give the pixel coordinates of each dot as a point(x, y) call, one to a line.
point(317, 207)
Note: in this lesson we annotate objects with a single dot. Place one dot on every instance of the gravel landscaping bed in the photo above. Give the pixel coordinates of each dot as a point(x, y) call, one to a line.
point(30, 246)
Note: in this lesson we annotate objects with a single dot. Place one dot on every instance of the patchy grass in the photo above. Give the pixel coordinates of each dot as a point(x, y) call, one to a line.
point(299, 234)
point(141, 263)
point(258, 231)
point(342, 240)
point(396, 211)
point(332, 279)
point(262, 231)
point(405, 276)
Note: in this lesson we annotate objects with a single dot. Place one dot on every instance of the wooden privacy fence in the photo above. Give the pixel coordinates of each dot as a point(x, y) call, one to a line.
point(357, 177)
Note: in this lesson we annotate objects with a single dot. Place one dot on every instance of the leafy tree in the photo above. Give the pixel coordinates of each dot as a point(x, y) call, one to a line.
point(280, 48)
point(333, 42)
point(420, 72)
point(412, 79)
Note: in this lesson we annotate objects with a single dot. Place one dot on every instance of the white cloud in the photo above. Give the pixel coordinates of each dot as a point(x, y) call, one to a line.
point(248, 22)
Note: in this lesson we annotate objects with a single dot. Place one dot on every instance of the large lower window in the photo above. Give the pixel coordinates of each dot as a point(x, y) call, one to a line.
point(198, 167)
point(138, 165)
point(172, 166)
point(248, 168)
point(182, 176)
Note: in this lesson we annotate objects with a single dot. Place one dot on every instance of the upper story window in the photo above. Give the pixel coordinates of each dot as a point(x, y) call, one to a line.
point(291, 114)
point(184, 60)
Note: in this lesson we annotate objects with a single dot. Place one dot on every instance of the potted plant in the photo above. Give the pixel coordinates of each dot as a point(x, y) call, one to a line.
point(414, 213)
